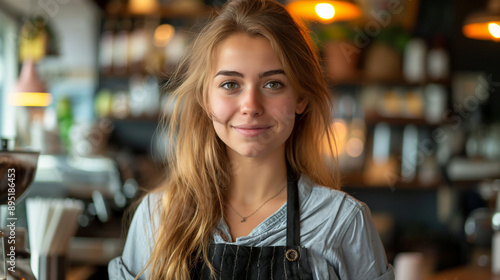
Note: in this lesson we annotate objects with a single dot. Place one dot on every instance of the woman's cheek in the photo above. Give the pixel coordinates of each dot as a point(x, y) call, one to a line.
point(221, 111)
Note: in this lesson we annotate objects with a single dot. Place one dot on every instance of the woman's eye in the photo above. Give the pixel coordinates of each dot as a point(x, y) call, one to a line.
point(273, 85)
point(229, 85)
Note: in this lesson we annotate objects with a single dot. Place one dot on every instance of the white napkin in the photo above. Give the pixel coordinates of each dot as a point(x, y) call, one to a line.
point(51, 224)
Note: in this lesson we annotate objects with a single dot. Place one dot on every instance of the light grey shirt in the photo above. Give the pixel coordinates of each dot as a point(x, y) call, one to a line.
point(336, 229)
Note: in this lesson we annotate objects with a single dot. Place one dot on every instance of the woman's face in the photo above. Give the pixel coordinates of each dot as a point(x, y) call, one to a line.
point(252, 102)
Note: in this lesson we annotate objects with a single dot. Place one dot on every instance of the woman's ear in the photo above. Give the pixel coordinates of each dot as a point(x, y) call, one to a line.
point(301, 106)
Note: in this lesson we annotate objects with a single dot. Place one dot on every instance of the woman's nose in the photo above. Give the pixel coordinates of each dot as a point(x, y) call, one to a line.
point(251, 103)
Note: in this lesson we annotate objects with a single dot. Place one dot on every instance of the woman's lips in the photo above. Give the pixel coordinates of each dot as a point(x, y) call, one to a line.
point(252, 131)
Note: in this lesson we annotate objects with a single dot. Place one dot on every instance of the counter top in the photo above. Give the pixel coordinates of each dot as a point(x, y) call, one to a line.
point(465, 273)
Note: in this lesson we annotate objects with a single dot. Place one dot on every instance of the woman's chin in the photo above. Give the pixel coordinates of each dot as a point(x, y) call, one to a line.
point(251, 153)
point(256, 151)
point(248, 152)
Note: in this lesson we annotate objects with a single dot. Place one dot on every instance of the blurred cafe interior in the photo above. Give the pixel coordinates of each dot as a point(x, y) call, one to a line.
point(416, 90)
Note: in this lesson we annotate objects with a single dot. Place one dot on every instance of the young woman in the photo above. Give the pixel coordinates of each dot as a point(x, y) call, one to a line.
point(251, 192)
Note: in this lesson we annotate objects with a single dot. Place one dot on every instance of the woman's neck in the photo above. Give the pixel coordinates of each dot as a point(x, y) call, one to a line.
point(256, 179)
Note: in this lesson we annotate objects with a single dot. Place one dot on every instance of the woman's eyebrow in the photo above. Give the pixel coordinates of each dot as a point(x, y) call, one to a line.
point(229, 73)
point(238, 74)
point(272, 72)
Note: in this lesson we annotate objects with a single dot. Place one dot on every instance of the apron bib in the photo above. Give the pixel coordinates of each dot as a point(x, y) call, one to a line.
point(271, 262)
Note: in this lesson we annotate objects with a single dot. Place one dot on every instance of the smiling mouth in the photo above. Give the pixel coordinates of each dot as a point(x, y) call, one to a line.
point(252, 132)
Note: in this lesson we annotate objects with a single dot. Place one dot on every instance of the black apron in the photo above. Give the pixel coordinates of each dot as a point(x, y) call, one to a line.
point(273, 262)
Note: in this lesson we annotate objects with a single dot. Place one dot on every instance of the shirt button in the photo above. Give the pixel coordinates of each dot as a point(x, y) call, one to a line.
point(292, 255)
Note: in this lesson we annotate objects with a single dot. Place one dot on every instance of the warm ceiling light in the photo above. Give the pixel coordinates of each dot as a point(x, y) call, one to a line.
point(30, 91)
point(163, 34)
point(494, 30)
point(143, 6)
point(484, 25)
point(324, 11)
point(31, 99)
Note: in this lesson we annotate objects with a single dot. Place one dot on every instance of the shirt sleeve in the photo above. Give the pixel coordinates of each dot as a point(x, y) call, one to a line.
point(138, 246)
point(362, 250)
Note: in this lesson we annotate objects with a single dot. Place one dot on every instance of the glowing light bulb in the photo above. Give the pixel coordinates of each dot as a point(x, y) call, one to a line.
point(163, 34)
point(340, 128)
point(354, 147)
point(494, 30)
point(325, 11)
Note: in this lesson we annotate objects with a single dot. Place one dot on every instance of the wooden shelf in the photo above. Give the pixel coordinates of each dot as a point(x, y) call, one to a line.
point(374, 118)
point(142, 118)
point(357, 180)
point(121, 10)
point(136, 70)
point(363, 81)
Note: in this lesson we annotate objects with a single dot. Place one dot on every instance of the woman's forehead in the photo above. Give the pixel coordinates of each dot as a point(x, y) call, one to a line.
point(242, 52)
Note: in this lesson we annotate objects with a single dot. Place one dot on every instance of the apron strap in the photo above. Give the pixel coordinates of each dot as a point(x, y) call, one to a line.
point(293, 215)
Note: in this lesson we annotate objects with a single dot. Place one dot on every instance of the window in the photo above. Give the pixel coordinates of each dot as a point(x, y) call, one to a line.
point(8, 72)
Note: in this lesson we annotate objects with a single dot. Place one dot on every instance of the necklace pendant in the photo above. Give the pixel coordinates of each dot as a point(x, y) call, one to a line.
point(243, 219)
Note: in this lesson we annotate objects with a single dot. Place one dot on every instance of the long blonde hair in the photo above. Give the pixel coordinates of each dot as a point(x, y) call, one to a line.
point(194, 192)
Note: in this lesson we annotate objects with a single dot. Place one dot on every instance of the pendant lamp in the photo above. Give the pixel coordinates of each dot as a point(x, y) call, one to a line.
point(34, 43)
point(484, 25)
point(29, 90)
point(324, 11)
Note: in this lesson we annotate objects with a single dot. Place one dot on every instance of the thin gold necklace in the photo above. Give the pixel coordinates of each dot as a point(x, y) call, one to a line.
point(244, 218)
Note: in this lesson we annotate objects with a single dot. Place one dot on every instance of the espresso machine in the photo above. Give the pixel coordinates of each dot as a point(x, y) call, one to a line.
point(17, 171)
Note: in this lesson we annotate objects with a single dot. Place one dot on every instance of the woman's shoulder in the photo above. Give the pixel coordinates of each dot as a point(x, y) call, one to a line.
point(145, 213)
point(149, 202)
point(329, 199)
point(140, 239)
point(330, 212)
point(335, 228)
point(329, 215)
